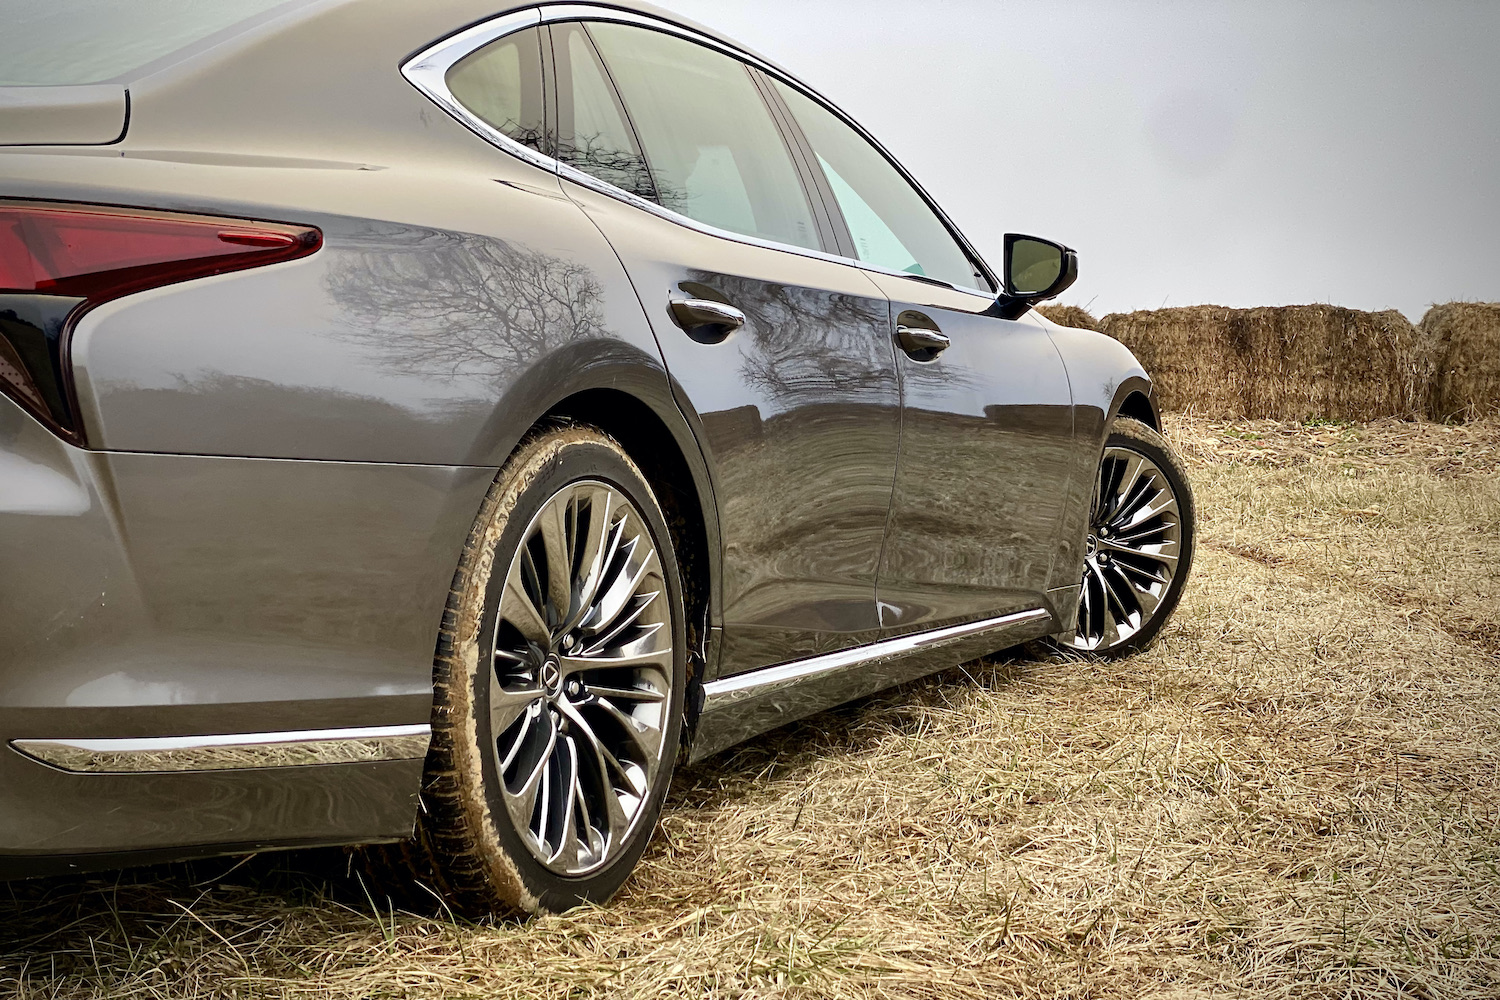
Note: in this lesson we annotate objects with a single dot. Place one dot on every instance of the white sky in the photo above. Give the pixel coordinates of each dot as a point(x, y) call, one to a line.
point(1252, 153)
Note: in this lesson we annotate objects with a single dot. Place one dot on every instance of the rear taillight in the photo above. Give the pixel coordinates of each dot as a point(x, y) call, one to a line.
point(99, 253)
point(59, 260)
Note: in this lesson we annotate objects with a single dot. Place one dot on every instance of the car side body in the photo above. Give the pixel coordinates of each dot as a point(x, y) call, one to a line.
point(242, 531)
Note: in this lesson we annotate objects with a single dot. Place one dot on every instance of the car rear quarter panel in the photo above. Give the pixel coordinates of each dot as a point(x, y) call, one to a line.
point(450, 269)
point(396, 342)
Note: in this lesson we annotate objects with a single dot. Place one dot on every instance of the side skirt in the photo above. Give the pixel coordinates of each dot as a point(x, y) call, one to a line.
point(748, 704)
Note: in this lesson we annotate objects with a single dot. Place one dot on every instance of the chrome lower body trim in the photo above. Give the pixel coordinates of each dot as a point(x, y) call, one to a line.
point(230, 751)
point(744, 705)
point(754, 683)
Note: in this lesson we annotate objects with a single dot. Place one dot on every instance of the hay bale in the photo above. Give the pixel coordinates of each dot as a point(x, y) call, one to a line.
point(1465, 342)
point(1069, 316)
point(1279, 362)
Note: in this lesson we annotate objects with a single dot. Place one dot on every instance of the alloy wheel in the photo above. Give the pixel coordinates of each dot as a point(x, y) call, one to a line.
point(583, 666)
point(1132, 551)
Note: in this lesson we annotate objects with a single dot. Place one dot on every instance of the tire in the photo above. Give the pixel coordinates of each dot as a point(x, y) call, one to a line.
point(1135, 566)
point(555, 729)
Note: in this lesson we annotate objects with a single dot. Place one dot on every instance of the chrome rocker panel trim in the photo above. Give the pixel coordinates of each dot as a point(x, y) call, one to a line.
point(745, 705)
point(230, 751)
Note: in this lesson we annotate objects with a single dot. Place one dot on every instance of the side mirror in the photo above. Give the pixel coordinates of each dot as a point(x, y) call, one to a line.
point(1035, 270)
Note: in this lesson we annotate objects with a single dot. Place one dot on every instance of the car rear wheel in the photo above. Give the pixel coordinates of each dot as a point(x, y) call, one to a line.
point(1139, 547)
point(559, 685)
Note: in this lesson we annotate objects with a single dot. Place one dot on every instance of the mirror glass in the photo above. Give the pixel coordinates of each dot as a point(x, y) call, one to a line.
point(1034, 266)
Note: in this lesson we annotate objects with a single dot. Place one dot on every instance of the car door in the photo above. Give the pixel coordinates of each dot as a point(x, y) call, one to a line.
point(781, 354)
point(986, 415)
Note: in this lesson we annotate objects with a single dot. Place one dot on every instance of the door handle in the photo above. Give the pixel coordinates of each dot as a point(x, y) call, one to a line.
point(922, 344)
point(705, 320)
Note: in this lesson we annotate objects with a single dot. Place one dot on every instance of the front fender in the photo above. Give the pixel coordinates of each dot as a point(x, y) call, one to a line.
point(1105, 378)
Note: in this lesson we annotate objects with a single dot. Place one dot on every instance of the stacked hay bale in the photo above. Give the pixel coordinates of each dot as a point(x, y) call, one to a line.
point(1069, 316)
point(1465, 344)
point(1280, 362)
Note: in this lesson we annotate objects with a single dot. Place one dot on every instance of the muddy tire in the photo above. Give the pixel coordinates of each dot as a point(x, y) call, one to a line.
point(559, 683)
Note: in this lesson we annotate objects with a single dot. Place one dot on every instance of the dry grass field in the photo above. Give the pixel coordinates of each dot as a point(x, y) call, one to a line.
point(1295, 794)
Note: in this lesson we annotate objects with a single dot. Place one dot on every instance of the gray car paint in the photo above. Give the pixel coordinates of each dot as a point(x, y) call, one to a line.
point(394, 343)
point(987, 440)
point(157, 590)
point(166, 595)
point(88, 114)
point(799, 415)
point(1102, 376)
point(283, 463)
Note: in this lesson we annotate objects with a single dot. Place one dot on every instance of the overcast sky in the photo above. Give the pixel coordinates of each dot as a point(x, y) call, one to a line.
point(1249, 153)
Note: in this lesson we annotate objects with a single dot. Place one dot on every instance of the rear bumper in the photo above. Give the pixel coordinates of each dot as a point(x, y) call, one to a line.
point(53, 821)
point(150, 597)
point(73, 803)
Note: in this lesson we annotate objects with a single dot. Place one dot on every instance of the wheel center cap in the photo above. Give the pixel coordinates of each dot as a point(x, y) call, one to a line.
point(551, 675)
point(1091, 546)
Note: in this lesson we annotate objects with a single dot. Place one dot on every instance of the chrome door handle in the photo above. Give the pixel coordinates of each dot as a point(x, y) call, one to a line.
point(706, 320)
point(922, 344)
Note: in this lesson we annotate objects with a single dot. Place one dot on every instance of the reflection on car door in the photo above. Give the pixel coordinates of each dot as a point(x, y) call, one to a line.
point(799, 407)
point(986, 421)
point(987, 444)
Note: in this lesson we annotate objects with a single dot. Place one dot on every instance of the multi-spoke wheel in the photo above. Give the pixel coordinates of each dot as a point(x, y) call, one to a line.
point(1139, 547)
point(583, 667)
point(559, 694)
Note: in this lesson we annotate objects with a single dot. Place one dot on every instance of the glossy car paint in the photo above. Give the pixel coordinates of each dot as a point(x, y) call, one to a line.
point(986, 459)
point(150, 595)
point(799, 415)
point(281, 465)
point(1104, 378)
point(274, 590)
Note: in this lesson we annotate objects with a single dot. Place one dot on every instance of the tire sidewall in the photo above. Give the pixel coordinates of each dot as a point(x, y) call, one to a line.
point(1131, 434)
point(583, 460)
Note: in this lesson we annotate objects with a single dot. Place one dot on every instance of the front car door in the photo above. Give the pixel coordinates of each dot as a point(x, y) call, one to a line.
point(987, 433)
point(799, 407)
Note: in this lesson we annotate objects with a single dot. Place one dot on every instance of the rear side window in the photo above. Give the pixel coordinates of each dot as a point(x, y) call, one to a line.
point(502, 85)
point(51, 43)
point(892, 225)
point(593, 133)
point(714, 152)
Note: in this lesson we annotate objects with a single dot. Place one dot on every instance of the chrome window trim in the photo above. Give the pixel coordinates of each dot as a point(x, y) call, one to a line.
point(752, 684)
point(229, 751)
point(428, 70)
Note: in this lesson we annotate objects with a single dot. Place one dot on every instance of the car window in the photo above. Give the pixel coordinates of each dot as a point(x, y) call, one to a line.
point(892, 225)
point(714, 151)
point(501, 83)
point(593, 133)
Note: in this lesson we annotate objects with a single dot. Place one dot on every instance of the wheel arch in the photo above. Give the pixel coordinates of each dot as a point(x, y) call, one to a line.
point(622, 388)
point(1133, 398)
point(682, 488)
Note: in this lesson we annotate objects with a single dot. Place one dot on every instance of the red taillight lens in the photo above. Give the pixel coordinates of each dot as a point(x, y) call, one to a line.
point(99, 253)
point(57, 260)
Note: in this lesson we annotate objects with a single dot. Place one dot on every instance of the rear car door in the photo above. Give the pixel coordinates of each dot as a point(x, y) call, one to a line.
point(986, 417)
point(795, 390)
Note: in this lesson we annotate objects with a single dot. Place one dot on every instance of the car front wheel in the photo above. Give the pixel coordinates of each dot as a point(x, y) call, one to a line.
point(1139, 547)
